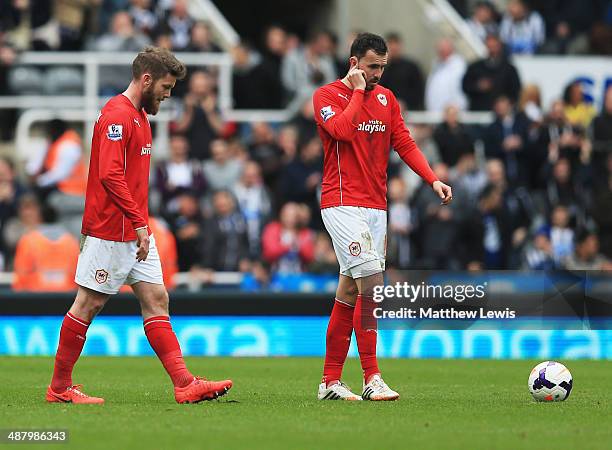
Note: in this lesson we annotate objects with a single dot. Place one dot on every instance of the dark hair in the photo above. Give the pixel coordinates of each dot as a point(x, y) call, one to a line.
point(368, 41)
point(159, 62)
point(582, 234)
point(568, 90)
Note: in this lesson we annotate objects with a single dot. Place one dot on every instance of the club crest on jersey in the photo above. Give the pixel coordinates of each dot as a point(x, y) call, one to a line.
point(355, 248)
point(382, 98)
point(372, 126)
point(326, 113)
point(115, 132)
point(101, 276)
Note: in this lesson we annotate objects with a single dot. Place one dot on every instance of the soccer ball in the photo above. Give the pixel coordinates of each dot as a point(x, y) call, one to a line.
point(550, 381)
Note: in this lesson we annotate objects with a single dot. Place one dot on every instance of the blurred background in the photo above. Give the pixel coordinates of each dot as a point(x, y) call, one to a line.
point(510, 101)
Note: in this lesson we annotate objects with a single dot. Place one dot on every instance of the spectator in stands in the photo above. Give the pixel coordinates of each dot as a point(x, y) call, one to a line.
point(121, 37)
point(222, 171)
point(287, 244)
point(530, 104)
point(403, 76)
point(62, 167)
point(255, 204)
point(484, 20)
point(178, 174)
point(288, 142)
point(166, 247)
point(469, 177)
point(144, 19)
point(306, 68)
point(201, 39)
point(11, 191)
point(7, 58)
point(265, 151)
point(245, 78)
point(180, 23)
point(488, 78)
point(561, 234)
point(301, 178)
point(516, 211)
point(601, 211)
point(305, 122)
point(186, 225)
point(494, 228)
point(538, 254)
point(602, 125)
point(274, 50)
point(71, 17)
point(563, 189)
point(29, 216)
point(324, 259)
point(225, 244)
point(401, 223)
point(200, 122)
point(586, 254)
point(444, 81)
point(438, 225)
point(567, 24)
point(522, 30)
point(577, 110)
point(558, 138)
point(452, 137)
point(507, 138)
point(46, 258)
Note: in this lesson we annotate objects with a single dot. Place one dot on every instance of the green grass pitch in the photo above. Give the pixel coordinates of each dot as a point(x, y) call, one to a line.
point(471, 404)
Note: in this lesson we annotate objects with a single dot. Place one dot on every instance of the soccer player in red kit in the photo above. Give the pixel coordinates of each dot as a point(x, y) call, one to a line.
point(116, 247)
point(358, 122)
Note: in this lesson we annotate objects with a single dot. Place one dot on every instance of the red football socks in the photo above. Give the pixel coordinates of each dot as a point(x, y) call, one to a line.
point(364, 324)
point(163, 340)
point(71, 341)
point(338, 340)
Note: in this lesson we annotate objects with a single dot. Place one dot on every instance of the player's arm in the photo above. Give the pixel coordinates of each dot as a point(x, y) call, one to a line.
point(340, 122)
point(113, 142)
point(404, 145)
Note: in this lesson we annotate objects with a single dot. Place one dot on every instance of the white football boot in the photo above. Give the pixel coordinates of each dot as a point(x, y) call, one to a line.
point(377, 390)
point(337, 391)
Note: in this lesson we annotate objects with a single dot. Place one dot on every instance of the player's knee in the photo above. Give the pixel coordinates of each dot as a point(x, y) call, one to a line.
point(347, 293)
point(159, 301)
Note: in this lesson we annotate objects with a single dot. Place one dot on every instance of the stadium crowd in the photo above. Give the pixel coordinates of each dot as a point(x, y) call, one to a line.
point(532, 190)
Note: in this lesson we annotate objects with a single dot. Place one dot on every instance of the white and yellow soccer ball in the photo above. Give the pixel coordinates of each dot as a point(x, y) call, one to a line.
point(550, 381)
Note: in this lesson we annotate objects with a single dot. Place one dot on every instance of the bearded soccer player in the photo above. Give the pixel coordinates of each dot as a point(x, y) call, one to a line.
point(116, 245)
point(358, 122)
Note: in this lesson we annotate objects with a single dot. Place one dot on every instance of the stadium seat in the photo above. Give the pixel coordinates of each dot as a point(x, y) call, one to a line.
point(26, 81)
point(64, 81)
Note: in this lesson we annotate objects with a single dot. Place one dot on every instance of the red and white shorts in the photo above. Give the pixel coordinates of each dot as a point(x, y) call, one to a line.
point(359, 236)
point(104, 266)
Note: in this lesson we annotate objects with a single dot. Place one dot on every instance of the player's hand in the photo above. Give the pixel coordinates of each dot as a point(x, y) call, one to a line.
point(356, 77)
point(444, 191)
point(143, 244)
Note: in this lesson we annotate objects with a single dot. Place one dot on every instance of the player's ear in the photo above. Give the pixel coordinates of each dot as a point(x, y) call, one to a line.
point(353, 61)
point(147, 79)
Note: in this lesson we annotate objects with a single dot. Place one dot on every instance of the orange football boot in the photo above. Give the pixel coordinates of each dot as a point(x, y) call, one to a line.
point(201, 389)
point(72, 395)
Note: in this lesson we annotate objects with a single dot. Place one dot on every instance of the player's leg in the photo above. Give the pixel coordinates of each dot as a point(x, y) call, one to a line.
point(367, 276)
point(147, 283)
point(342, 224)
point(87, 304)
point(338, 340)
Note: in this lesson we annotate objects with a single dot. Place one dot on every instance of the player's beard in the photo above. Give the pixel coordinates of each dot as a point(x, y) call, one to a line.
point(149, 102)
point(371, 83)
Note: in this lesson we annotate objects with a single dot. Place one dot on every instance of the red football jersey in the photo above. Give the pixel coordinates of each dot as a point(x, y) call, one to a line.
point(116, 202)
point(358, 128)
